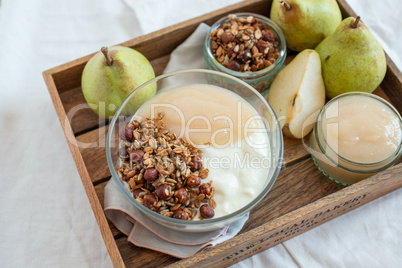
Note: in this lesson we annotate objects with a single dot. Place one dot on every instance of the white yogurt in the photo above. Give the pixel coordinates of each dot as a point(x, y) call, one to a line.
point(238, 172)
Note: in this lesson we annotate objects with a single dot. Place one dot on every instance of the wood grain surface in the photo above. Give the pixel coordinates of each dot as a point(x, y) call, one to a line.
point(300, 199)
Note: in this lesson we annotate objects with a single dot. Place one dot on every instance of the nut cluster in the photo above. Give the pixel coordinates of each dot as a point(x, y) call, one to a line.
point(164, 172)
point(244, 44)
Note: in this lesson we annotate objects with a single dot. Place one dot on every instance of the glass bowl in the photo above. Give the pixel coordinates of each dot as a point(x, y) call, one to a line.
point(324, 151)
point(261, 79)
point(200, 77)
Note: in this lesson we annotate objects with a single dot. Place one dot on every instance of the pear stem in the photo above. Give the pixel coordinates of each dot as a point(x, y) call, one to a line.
point(105, 52)
point(355, 22)
point(287, 5)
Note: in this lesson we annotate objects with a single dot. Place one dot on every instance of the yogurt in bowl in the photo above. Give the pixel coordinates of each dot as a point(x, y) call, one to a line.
point(240, 140)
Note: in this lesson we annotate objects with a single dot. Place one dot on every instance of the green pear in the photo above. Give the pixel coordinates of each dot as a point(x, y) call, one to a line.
point(351, 59)
point(111, 75)
point(305, 23)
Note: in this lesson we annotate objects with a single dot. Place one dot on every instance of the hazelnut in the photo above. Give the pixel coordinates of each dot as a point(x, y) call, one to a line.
point(267, 35)
point(151, 202)
point(181, 214)
point(193, 181)
point(230, 51)
point(163, 192)
point(262, 46)
point(182, 195)
point(246, 56)
point(150, 174)
point(136, 193)
point(227, 37)
point(207, 211)
point(206, 189)
point(234, 65)
point(195, 163)
point(136, 156)
point(126, 133)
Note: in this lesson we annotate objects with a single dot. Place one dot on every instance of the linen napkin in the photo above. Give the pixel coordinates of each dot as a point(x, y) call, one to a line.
point(142, 231)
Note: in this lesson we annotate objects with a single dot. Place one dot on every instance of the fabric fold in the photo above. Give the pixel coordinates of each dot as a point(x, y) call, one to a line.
point(144, 232)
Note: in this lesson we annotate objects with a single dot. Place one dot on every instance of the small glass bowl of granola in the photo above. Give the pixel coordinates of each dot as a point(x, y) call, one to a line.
point(248, 46)
point(196, 156)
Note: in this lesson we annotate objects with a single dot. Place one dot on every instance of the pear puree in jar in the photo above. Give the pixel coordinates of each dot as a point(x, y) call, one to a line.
point(230, 133)
point(360, 133)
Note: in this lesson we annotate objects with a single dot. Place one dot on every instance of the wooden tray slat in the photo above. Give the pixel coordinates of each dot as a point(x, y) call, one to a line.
point(391, 85)
point(94, 153)
point(81, 116)
point(142, 257)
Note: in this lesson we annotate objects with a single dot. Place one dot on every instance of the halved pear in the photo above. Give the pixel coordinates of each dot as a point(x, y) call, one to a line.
point(297, 93)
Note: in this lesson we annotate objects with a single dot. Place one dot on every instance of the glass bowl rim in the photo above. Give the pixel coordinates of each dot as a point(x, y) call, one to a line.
point(277, 64)
point(181, 223)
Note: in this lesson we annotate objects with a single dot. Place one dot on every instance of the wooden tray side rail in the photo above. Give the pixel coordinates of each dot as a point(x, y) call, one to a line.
point(85, 178)
point(301, 198)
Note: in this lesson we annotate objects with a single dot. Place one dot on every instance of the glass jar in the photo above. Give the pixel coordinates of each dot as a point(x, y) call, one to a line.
point(356, 135)
point(261, 79)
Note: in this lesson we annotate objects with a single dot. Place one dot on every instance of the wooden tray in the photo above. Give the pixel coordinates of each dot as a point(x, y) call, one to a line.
point(301, 198)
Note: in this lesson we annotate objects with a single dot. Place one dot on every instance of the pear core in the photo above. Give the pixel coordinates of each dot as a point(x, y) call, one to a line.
point(297, 94)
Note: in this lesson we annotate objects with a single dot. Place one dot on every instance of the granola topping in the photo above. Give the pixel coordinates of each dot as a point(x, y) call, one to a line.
point(237, 161)
point(165, 173)
point(244, 44)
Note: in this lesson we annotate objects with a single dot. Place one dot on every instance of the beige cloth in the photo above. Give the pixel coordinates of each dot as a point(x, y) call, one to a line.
point(143, 232)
